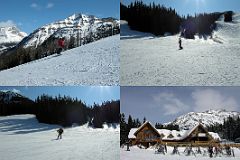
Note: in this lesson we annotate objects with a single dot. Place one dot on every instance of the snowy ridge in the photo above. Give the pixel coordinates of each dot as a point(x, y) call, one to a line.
point(96, 63)
point(206, 118)
point(76, 23)
point(10, 36)
point(7, 96)
point(23, 138)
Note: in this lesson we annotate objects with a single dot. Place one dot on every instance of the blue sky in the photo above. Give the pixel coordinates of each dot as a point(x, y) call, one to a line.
point(89, 94)
point(184, 7)
point(31, 14)
point(164, 104)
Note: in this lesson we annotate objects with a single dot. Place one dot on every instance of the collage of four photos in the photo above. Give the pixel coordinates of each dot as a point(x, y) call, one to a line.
point(120, 79)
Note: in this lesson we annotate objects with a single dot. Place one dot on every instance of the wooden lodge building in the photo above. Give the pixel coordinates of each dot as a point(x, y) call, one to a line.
point(147, 135)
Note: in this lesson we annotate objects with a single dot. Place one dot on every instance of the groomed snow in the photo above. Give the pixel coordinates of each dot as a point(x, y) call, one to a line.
point(23, 138)
point(149, 154)
point(148, 60)
point(97, 63)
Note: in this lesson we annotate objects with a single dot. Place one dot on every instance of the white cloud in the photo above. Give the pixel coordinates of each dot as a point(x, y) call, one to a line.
point(7, 23)
point(170, 103)
point(212, 99)
point(34, 5)
point(16, 90)
point(49, 5)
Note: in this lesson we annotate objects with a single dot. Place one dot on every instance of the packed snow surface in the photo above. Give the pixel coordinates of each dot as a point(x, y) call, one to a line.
point(149, 154)
point(97, 63)
point(23, 138)
point(150, 60)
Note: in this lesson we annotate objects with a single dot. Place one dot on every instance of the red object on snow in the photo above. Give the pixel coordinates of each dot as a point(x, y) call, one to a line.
point(61, 43)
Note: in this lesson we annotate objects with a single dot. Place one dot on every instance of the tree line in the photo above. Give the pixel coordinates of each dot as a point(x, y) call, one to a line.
point(64, 110)
point(159, 20)
point(126, 124)
point(229, 129)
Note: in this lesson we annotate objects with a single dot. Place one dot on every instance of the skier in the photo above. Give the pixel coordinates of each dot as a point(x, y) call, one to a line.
point(165, 147)
point(60, 45)
point(210, 151)
point(127, 143)
point(60, 132)
point(180, 43)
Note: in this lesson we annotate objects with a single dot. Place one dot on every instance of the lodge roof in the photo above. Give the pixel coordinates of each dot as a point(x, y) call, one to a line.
point(176, 135)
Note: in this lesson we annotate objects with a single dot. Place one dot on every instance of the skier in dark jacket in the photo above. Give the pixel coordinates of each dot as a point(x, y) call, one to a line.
point(180, 43)
point(61, 42)
point(60, 132)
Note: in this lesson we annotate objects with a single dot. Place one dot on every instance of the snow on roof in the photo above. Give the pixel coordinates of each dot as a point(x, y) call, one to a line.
point(147, 122)
point(131, 133)
point(215, 136)
point(176, 135)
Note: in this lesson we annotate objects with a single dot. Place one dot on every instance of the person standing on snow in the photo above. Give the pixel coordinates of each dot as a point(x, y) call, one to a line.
point(60, 132)
point(60, 45)
point(180, 43)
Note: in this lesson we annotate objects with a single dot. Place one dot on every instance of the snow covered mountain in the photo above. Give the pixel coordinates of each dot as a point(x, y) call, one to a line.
point(10, 36)
point(207, 118)
point(12, 97)
point(23, 138)
point(84, 26)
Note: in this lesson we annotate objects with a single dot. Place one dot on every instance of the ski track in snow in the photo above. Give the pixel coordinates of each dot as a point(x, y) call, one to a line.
point(96, 63)
point(149, 60)
point(148, 154)
point(23, 138)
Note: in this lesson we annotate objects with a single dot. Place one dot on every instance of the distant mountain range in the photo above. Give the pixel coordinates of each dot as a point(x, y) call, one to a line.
point(9, 37)
point(10, 97)
point(207, 118)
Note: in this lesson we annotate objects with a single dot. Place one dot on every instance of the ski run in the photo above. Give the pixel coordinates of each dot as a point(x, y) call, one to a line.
point(97, 63)
point(23, 138)
point(150, 60)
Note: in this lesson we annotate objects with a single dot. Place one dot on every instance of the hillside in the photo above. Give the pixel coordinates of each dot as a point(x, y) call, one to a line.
point(150, 60)
point(207, 118)
point(96, 63)
point(77, 30)
point(23, 138)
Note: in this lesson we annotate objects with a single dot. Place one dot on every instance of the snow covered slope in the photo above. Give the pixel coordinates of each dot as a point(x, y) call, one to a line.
point(23, 138)
point(96, 63)
point(149, 60)
point(86, 25)
point(207, 118)
point(10, 36)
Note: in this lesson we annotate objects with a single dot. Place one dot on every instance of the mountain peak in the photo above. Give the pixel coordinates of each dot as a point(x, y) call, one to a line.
point(75, 16)
point(207, 118)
